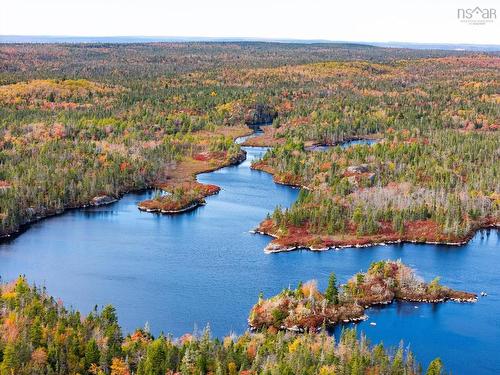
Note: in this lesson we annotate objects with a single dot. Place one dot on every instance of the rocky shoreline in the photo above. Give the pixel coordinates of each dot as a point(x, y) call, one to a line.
point(104, 199)
point(281, 180)
point(270, 138)
point(276, 247)
point(419, 231)
point(171, 212)
point(199, 191)
point(356, 318)
point(308, 309)
point(97, 201)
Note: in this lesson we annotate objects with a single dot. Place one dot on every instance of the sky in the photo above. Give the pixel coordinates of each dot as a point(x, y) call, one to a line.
point(422, 21)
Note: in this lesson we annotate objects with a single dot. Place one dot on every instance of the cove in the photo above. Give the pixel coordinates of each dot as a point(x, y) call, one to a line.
point(182, 272)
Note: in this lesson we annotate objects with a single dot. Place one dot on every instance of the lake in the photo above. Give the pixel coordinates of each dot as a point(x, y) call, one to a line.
point(179, 273)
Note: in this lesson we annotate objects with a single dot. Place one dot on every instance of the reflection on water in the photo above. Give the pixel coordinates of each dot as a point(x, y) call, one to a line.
point(92, 212)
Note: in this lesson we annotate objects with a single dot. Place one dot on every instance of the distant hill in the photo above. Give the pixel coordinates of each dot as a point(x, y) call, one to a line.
point(441, 46)
point(151, 39)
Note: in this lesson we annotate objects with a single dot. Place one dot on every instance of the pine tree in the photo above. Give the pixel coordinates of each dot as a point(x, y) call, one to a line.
point(332, 293)
point(92, 353)
point(36, 332)
point(10, 359)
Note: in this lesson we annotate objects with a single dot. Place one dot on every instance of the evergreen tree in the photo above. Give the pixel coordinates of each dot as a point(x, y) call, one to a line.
point(92, 354)
point(155, 362)
point(435, 367)
point(332, 293)
point(10, 361)
point(36, 332)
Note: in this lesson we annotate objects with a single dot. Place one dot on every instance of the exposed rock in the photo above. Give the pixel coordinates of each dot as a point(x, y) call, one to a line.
point(363, 168)
point(355, 179)
point(101, 200)
point(259, 115)
point(306, 308)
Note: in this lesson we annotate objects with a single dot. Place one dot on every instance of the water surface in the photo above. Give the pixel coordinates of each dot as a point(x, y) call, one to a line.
point(182, 272)
point(345, 144)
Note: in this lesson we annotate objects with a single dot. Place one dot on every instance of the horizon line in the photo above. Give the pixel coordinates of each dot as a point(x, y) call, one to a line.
point(4, 38)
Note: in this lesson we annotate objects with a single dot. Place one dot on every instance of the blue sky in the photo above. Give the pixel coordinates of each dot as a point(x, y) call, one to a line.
point(427, 21)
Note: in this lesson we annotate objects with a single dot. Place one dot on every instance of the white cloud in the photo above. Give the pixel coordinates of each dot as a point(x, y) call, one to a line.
point(432, 21)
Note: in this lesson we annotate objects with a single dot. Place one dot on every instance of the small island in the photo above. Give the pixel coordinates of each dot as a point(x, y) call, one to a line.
point(308, 309)
point(179, 198)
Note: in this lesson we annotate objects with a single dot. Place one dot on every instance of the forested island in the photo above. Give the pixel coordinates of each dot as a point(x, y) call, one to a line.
point(307, 309)
point(40, 336)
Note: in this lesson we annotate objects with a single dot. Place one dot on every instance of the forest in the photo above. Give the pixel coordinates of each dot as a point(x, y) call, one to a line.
point(440, 187)
point(40, 336)
point(83, 124)
point(431, 174)
point(84, 121)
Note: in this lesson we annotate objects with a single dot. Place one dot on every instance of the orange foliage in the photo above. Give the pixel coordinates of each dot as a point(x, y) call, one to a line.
point(10, 327)
point(53, 94)
point(119, 367)
point(124, 165)
point(39, 357)
point(251, 351)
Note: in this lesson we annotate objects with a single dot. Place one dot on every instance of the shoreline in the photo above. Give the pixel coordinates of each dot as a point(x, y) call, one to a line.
point(361, 318)
point(272, 248)
point(199, 201)
point(171, 212)
point(385, 282)
point(267, 140)
point(8, 236)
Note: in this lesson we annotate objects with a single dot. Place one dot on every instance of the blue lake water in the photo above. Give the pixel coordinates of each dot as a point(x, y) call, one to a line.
point(182, 272)
point(344, 144)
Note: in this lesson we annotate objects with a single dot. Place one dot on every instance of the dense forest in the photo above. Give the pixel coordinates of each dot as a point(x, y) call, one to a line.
point(40, 336)
point(79, 122)
point(432, 174)
point(142, 62)
point(439, 187)
point(84, 124)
